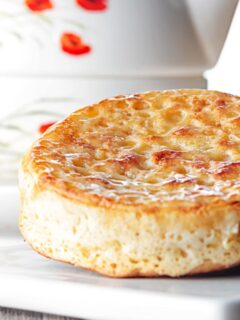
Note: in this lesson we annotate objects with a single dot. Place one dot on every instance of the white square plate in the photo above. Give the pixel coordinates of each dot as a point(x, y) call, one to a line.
point(29, 281)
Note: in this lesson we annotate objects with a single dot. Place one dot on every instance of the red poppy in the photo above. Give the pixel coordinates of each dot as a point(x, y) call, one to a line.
point(44, 126)
point(93, 5)
point(73, 44)
point(39, 5)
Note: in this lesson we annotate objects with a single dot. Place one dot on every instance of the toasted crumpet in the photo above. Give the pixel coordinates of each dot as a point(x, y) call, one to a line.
point(140, 185)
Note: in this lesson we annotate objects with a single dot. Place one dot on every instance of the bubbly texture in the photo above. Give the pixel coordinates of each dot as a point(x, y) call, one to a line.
point(150, 147)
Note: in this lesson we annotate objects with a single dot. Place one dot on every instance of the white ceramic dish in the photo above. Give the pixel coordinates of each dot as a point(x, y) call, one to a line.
point(29, 281)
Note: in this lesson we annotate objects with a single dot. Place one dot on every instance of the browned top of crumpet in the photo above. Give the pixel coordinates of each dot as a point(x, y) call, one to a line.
point(155, 147)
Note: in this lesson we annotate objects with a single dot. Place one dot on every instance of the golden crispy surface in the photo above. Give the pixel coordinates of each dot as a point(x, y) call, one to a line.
point(160, 146)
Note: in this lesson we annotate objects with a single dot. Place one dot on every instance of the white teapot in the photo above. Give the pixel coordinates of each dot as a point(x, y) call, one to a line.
point(92, 49)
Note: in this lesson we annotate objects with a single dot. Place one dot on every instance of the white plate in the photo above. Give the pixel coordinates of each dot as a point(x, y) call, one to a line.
point(29, 281)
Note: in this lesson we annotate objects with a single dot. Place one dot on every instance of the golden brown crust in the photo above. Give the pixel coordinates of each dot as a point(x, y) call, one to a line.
point(145, 149)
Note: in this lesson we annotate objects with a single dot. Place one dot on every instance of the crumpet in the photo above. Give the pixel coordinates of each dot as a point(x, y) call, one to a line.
point(140, 185)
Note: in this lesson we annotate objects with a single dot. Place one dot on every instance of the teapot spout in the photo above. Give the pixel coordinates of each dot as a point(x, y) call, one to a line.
point(211, 21)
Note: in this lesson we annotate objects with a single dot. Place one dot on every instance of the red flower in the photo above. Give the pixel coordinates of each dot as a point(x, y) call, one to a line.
point(93, 5)
point(44, 126)
point(39, 5)
point(73, 44)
